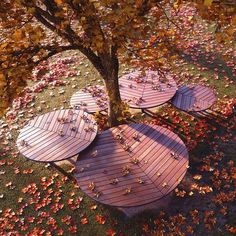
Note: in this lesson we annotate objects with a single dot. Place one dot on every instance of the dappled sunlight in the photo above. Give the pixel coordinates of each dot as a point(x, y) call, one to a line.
point(192, 43)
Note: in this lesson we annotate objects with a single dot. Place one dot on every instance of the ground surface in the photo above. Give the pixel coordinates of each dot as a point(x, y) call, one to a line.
point(36, 199)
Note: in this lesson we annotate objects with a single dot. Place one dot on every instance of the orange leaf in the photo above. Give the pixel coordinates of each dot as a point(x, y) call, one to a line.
point(58, 2)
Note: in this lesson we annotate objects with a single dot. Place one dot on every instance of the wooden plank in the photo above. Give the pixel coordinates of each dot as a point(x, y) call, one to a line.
point(68, 151)
point(163, 151)
point(48, 139)
point(155, 146)
point(162, 168)
point(45, 148)
point(194, 98)
point(36, 140)
point(113, 171)
point(47, 120)
point(150, 145)
point(93, 103)
point(26, 131)
point(138, 193)
point(151, 97)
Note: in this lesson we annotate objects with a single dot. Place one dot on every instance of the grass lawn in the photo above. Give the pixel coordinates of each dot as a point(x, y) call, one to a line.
point(36, 199)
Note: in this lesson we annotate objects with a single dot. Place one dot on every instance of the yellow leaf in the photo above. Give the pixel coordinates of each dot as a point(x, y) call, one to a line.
point(4, 45)
point(31, 10)
point(177, 4)
point(97, 4)
point(120, 118)
point(18, 35)
point(208, 2)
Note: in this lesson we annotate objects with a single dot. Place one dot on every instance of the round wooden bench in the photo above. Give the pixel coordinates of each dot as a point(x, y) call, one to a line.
point(132, 165)
point(194, 98)
point(146, 90)
point(90, 99)
point(57, 135)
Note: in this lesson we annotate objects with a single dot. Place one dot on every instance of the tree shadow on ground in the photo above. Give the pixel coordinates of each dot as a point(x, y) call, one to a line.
point(212, 61)
point(201, 202)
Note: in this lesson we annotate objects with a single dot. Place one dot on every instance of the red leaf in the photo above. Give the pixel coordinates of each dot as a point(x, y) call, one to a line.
point(84, 221)
point(100, 219)
point(110, 232)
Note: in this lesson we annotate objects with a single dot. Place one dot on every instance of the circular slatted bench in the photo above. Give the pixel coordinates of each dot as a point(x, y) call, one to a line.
point(194, 98)
point(90, 99)
point(131, 166)
point(146, 90)
point(57, 135)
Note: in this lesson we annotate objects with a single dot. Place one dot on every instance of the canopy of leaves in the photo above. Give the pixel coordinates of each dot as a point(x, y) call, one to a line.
point(32, 31)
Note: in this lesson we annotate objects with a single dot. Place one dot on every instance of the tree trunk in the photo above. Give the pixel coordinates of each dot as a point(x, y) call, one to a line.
point(107, 64)
point(110, 65)
point(114, 101)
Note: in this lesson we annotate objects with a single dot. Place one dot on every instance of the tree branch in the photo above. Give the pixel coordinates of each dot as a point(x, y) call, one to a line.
point(167, 17)
point(41, 19)
point(50, 7)
point(46, 15)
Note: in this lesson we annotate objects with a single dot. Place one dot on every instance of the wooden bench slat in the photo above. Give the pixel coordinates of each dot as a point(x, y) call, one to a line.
point(194, 98)
point(152, 154)
point(91, 102)
point(130, 90)
point(48, 138)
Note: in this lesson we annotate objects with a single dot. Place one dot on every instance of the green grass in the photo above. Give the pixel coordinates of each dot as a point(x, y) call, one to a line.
point(214, 143)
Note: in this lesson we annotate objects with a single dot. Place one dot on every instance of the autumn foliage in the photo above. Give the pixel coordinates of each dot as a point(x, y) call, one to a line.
point(37, 200)
point(145, 32)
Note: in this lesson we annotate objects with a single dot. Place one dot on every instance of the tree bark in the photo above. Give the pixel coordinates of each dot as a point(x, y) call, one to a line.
point(110, 65)
point(114, 101)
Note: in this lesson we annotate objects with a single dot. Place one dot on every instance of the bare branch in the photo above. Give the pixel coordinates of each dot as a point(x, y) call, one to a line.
point(167, 17)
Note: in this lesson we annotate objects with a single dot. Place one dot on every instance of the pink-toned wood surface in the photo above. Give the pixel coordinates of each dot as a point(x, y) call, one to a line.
point(90, 99)
point(57, 135)
point(132, 165)
point(194, 98)
point(146, 90)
